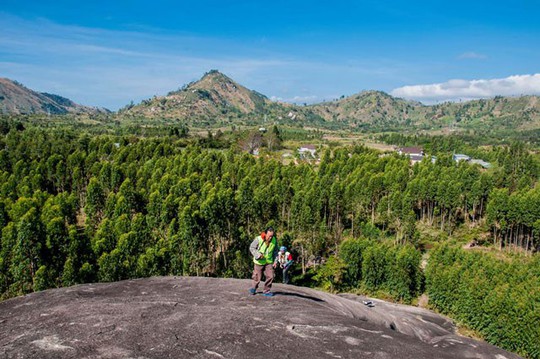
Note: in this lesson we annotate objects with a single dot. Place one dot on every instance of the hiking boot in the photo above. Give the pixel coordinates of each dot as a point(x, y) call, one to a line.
point(268, 294)
point(252, 291)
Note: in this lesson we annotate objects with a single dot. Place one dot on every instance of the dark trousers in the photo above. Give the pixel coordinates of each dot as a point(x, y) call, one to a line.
point(268, 271)
point(286, 274)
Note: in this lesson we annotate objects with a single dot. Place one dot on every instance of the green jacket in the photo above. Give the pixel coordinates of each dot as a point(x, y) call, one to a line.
point(269, 252)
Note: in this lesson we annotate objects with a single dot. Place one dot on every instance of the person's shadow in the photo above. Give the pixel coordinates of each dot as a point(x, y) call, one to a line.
point(308, 297)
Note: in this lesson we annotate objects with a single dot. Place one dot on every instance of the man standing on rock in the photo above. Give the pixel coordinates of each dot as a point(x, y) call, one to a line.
point(264, 249)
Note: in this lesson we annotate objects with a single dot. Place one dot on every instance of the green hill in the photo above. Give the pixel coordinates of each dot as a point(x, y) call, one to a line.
point(378, 110)
point(371, 109)
point(216, 100)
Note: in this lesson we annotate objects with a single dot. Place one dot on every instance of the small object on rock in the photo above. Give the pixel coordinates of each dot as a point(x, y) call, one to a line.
point(369, 303)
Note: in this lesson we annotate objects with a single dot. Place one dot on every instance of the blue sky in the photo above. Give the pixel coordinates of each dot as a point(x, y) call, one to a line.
point(108, 53)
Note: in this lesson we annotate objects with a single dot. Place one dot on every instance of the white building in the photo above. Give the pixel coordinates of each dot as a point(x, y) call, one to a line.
point(482, 163)
point(307, 151)
point(461, 157)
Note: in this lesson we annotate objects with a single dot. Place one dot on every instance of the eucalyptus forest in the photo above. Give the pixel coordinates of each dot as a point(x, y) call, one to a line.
point(80, 207)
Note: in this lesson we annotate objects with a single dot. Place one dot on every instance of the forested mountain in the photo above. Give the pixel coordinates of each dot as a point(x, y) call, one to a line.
point(518, 113)
point(216, 100)
point(378, 110)
point(371, 109)
point(17, 99)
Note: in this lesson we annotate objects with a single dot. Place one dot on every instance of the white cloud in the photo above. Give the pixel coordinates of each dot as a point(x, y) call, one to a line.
point(472, 55)
point(110, 68)
point(455, 90)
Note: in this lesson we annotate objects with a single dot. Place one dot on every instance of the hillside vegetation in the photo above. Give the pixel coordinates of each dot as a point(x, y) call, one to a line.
point(216, 100)
point(375, 110)
point(17, 99)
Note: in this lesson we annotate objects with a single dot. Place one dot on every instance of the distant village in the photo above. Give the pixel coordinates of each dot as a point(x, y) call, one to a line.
point(308, 152)
point(416, 154)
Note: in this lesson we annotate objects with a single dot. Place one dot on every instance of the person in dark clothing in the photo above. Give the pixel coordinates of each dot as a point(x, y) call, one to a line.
point(284, 260)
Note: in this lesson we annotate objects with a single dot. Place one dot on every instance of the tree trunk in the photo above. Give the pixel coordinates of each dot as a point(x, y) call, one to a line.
point(352, 224)
point(442, 220)
point(303, 259)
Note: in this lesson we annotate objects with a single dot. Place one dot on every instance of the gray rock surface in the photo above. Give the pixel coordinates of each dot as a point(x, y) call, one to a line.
point(187, 317)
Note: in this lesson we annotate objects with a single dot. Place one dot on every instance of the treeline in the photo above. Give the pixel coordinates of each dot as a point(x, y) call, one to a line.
point(515, 217)
point(464, 139)
point(75, 208)
point(463, 142)
point(498, 297)
point(372, 266)
point(513, 211)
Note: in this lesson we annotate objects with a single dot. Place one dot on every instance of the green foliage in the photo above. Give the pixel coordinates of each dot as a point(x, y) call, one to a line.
point(330, 276)
point(404, 278)
point(377, 266)
point(500, 298)
point(76, 208)
point(351, 252)
point(374, 267)
point(44, 279)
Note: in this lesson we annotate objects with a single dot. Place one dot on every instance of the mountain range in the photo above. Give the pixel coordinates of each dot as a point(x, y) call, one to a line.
point(217, 100)
point(16, 99)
